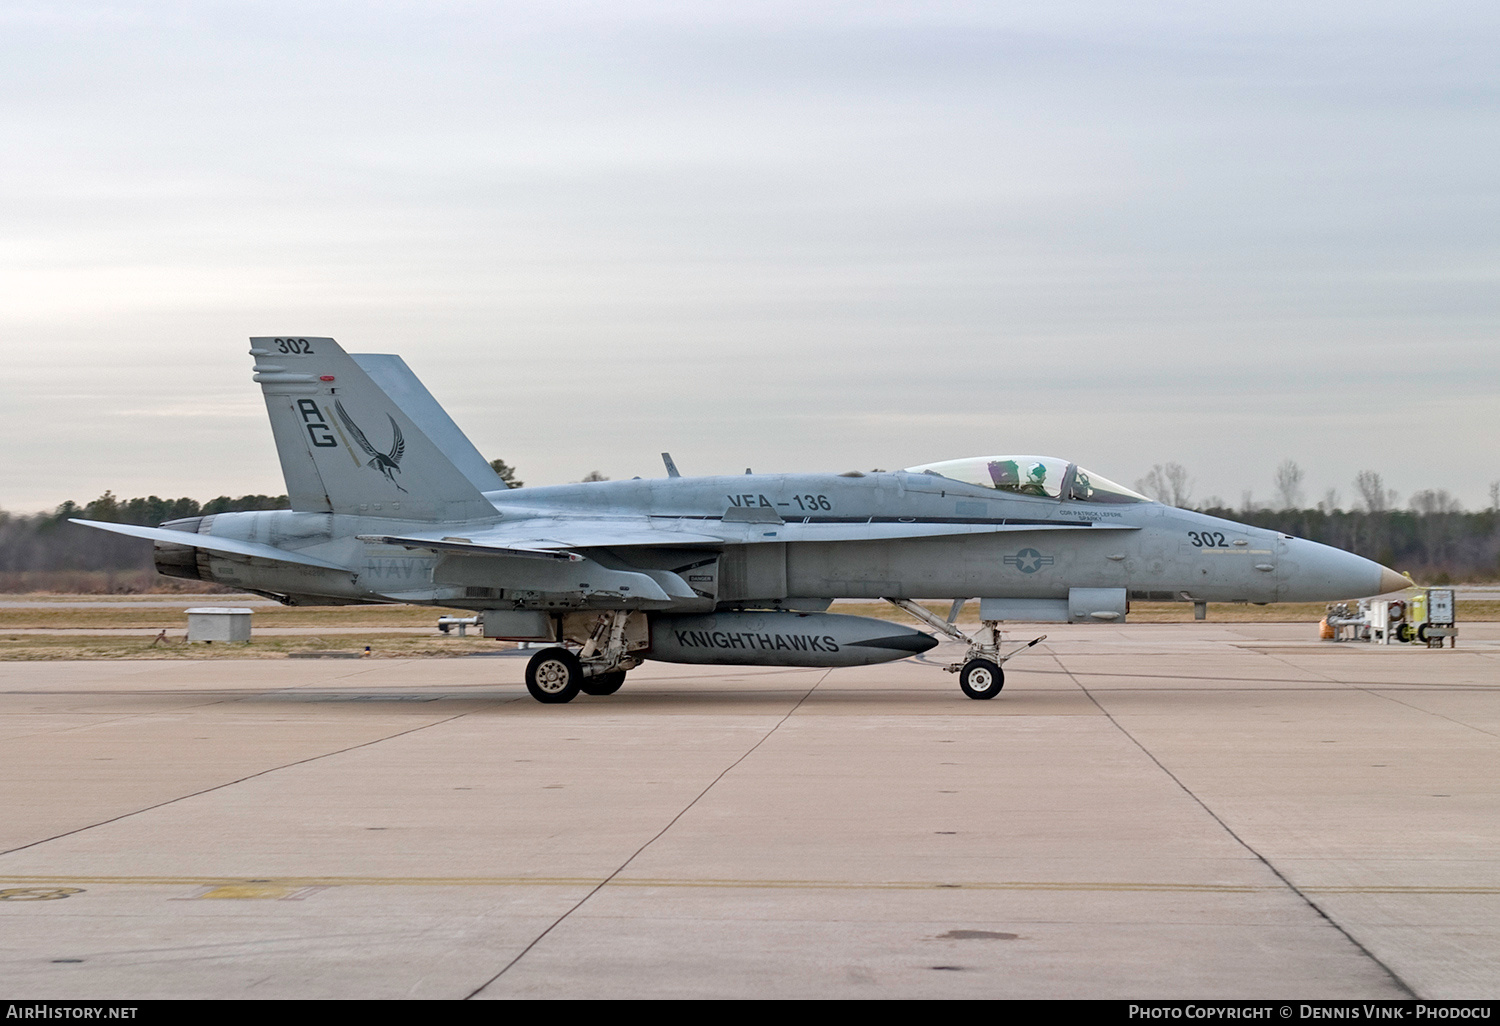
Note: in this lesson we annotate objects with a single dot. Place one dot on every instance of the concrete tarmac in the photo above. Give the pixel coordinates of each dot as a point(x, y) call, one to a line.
point(1146, 811)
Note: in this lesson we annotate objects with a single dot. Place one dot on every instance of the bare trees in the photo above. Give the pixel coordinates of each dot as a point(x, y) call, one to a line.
point(1430, 501)
point(1373, 493)
point(1168, 484)
point(1436, 527)
point(1289, 485)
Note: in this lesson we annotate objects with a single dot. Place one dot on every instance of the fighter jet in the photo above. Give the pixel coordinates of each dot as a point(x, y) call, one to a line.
point(739, 569)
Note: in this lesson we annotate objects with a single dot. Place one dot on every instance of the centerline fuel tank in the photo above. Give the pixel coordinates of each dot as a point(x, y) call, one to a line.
point(783, 639)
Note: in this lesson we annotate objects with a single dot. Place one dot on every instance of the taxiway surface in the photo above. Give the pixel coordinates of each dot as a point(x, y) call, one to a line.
point(1146, 811)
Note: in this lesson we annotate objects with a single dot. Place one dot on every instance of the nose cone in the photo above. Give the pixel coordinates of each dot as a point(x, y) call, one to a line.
point(1311, 572)
point(1392, 581)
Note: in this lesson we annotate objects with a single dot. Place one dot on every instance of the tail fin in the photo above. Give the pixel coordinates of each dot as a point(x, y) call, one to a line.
point(348, 447)
point(393, 377)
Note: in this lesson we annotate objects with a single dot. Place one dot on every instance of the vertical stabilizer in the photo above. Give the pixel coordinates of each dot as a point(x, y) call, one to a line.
point(391, 374)
point(348, 447)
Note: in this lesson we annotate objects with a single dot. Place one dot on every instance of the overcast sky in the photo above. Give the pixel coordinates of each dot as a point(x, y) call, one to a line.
point(779, 235)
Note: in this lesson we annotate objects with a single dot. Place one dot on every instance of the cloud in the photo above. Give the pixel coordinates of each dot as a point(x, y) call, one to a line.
point(805, 237)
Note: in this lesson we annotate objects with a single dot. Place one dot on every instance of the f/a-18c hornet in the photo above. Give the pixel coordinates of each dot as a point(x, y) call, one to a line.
point(391, 503)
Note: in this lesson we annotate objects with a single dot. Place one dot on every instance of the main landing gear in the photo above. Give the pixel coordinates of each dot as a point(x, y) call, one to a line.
point(980, 674)
point(556, 675)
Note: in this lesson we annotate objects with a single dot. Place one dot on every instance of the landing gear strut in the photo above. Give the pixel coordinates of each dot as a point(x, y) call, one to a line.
point(979, 675)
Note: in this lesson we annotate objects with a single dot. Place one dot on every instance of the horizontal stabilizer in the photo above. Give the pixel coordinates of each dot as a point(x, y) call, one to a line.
point(203, 541)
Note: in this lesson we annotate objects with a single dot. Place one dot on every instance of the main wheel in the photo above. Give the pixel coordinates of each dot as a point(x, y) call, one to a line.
point(981, 678)
point(554, 675)
point(604, 683)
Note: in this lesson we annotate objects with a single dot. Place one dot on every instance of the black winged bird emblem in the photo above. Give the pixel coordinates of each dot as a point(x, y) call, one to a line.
point(388, 463)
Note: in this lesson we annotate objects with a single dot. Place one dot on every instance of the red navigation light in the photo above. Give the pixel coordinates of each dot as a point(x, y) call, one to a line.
point(326, 377)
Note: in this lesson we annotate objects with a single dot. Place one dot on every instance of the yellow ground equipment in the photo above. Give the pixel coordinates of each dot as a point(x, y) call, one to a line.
point(1424, 616)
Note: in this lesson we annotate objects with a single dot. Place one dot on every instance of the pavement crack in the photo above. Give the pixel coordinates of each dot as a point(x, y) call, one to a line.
point(229, 783)
point(649, 842)
point(1301, 895)
point(1375, 691)
point(1429, 712)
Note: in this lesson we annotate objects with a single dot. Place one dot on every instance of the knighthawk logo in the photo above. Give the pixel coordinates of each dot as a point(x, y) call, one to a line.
point(388, 463)
point(1028, 561)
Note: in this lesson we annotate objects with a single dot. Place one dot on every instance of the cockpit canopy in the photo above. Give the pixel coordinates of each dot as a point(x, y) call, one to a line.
point(1044, 476)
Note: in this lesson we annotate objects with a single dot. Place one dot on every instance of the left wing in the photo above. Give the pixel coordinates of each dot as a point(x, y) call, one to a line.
point(212, 544)
point(550, 538)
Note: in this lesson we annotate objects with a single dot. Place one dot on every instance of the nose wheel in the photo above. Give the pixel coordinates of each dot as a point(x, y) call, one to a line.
point(979, 675)
point(981, 678)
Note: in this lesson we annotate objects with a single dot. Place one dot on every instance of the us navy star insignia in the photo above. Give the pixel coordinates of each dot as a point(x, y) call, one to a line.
point(1028, 561)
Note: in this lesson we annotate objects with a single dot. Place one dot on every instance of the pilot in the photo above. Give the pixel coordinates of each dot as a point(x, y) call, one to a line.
point(1035, 483)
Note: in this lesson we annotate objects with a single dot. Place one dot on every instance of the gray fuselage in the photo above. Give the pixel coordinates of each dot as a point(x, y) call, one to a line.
point(1029, 547)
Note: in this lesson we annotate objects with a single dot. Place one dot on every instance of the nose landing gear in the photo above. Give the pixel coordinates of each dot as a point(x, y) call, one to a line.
point(979, 675)
point(981, 678)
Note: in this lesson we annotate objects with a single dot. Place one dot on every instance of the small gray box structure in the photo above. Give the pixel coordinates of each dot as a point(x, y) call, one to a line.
point(218, 623)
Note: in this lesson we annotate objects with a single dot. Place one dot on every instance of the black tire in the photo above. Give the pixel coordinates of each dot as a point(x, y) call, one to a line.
point(1422, 634)
point(981, 678)
point(604, 683)
point(553, 676)
point(1404, 633)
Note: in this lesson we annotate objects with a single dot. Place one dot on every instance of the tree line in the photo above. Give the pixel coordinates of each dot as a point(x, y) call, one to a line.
point(33, 546)
point(1434, 547)
point(46, 542)
point(1433, 537)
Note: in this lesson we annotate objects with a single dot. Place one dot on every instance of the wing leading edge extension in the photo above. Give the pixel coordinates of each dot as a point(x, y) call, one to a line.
point(551, 537)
